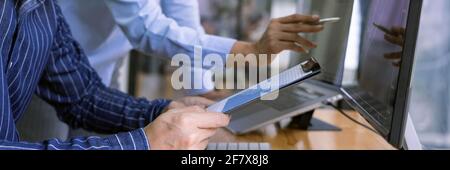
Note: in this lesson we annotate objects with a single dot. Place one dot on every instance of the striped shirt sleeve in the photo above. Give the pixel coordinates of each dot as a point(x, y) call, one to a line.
point(133, 140)
point(72, 86)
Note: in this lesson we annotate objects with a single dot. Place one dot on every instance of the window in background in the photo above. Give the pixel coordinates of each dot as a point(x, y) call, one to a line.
point(430, 95)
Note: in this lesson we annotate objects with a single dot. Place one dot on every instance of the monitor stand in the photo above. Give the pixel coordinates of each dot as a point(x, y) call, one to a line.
point(307, 122)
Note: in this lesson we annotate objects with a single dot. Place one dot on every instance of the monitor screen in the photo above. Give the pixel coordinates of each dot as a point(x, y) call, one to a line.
point(388, 31)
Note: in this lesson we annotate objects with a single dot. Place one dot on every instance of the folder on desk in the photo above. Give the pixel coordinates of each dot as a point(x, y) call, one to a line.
point(292, 76)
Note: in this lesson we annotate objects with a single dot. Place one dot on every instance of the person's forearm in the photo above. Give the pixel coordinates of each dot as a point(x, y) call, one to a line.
point(105, 110)
point(72, 86)
point(91, 105)
point(134, 140)
point(101, 109)
point(185, 12)
point(151, 32)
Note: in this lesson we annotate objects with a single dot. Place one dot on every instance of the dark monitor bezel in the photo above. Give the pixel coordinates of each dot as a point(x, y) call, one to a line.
point(397, 130)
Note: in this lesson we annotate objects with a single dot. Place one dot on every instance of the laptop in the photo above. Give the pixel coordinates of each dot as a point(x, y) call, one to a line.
point(292, 101)
point(249, 111)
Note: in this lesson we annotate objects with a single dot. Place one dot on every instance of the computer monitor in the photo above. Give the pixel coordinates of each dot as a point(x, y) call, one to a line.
point(388, 37)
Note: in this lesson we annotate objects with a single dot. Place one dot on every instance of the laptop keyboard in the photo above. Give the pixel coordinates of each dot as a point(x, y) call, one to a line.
point(238, 146)
point(377, 110)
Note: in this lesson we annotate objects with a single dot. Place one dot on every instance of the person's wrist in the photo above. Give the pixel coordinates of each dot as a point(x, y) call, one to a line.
point(245, 48)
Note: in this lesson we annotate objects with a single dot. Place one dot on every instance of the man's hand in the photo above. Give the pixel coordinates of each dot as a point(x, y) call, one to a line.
point(283, 34)
point(190, 101)
point(184, 129)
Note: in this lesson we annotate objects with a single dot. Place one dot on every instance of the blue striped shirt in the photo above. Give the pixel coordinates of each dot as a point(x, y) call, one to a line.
point(39, 55)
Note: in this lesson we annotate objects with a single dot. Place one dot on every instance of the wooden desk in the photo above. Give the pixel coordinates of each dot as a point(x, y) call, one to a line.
point(352, 136)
